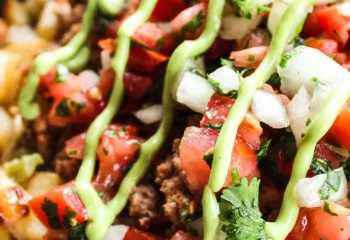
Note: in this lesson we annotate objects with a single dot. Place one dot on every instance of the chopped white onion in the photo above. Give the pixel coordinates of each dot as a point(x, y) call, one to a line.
point(319, 98)
point(116, 232)
point(307, 190)
point(194, 92)
point(226, 79)
point(192, 63)
point(233, 27)
point(269, 109)
point(276, 13)
point(297, 110)
point(306, 66)
point(150, 114)
point(344, 9)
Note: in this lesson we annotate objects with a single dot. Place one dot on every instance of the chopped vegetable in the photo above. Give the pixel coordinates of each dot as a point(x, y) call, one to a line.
point(225, 81)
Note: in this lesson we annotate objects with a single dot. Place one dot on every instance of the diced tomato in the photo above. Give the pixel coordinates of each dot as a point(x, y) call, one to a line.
point(218, 48)
point(316, 224)
point(250, 57)
point(311, 26)
point(339, 133)
point(135, 85)
point(190, 22)
point(116, 153)
point(135, 234)
point(155, 38)
point(327, 46)
point(335, 23)
point(198, 141)
point(341, 58)
point(181, 235)
point(165, 10)
point(13, 204)
point(60, 208)
point(217, 112)
point(75, 146)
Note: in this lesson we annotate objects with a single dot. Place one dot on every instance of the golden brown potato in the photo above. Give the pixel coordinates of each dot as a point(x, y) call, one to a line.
point(43, 182)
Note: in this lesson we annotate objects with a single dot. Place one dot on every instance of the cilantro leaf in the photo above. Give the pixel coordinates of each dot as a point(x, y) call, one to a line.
point(319, 166)
point(78, 106)
point(287, 56)
point(262, 151)
point(227, 63)
point(216, 126)
point(62, 109)
point(327, 209)
point(240, 211)
point(208, 158)
point(346, 166)
point(69, 219)
point(77, 232)
point(193, 25)
point(246, 7)
point(331, 185)
point(51, 211)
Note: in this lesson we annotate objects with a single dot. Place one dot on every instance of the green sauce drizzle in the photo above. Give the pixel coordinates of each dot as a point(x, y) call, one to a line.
point(225, 142)
point(74, 54)
point(318, 128)
point(101, 216)
point(111, 7)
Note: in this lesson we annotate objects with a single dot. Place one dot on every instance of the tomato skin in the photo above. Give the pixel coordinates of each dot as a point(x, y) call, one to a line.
point(218, 48)
point(66, 198)
point(185, 17)
point(135, 234)
point(181, 235)
point(316, 224)
point(334, 23)
point(339, 133)
point(311, 26)
point(198, 141)
point(249, 57)
point(327, 46)
point(165, 10)
point(249, 130)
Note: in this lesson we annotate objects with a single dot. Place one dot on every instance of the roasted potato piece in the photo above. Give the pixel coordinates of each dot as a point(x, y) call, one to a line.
point(15, 12)
point(48, 24)
point(43, 182)
point(4, 234)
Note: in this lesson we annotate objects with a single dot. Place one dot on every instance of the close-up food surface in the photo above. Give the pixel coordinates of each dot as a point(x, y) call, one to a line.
point(174, 119)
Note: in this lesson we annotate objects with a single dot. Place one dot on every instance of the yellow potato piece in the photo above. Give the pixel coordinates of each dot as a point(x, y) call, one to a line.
point(43, 182)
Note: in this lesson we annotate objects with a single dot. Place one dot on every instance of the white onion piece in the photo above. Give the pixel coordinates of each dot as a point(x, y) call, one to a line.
point(116, 232)
point(150, 114)
point(194, 92)
point(235, 28)
point(198, 226)
point(226, 78)
point(269, 109)
point(192, 63)
point(319, 98)
point(308, 64)
point(307, 190)
point(297, 110)
point(344, 9)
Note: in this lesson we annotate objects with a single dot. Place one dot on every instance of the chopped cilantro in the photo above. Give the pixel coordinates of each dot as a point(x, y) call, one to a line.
point(246, 7)
point(187, 218)
point(331, 185)
point(62, 73)
point(62, 109)
point(69, 219)
point(51, 211)
point(274, 80)
point(327, 210)
point(216, 126)
point(287, 56)
point(77, 232)
point(73, 152)
point(78, 106)
point(251, 58)
point(216, 85)
point(298, 41)
point(308, 122)
point(208, 158)
point(193, 25)
point(346, 166)
point(320, 166)
point(239, 211)
point(262, 151)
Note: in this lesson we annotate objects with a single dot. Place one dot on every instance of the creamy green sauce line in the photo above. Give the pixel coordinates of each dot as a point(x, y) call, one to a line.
point(42, 64)
point(318, 128)
point(225, 143)
point(111, 7)
point(100, 215)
